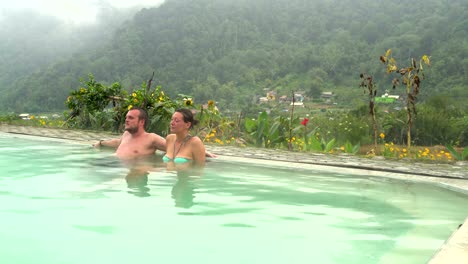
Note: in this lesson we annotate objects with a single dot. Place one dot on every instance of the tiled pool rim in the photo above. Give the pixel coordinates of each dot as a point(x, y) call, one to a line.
point(451, 176)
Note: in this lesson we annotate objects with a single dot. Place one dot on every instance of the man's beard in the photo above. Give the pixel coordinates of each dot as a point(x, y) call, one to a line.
point(132, 130)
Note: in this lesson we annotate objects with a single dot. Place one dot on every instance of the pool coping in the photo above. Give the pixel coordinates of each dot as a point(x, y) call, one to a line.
point(455, 248)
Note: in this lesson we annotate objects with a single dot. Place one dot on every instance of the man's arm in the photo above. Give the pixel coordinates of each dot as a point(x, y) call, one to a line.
point(159, 142)
point(112, 143)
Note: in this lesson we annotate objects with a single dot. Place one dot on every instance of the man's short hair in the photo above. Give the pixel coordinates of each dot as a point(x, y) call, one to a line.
point(142, 114)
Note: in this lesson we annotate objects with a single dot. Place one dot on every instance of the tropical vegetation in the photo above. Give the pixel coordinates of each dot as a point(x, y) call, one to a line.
point(266, 73)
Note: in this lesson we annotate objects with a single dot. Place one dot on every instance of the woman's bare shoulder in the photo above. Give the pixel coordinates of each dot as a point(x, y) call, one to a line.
point(196, 139)
point(170, 137)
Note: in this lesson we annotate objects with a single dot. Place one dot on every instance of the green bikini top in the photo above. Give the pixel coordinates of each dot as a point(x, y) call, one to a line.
point(175, 160)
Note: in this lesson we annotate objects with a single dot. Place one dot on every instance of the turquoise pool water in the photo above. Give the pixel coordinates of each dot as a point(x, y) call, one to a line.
point(68, 203)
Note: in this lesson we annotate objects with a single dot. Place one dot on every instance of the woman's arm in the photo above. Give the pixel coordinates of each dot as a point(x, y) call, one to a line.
point(198, 151)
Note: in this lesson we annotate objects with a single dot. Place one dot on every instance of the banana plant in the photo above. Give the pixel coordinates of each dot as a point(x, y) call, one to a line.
point(265, 132)
point(463, 155)
point(349, 148)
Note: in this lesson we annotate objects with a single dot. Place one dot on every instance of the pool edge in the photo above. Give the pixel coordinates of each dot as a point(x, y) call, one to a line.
point(455, 248)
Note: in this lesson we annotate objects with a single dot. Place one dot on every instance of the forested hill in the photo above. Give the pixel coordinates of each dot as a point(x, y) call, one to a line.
point(230, 50)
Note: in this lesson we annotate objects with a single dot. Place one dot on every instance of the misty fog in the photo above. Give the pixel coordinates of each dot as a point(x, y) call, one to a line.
point(33, 39)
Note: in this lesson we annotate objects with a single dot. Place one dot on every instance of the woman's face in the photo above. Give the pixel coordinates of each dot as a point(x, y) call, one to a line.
point(178, 124)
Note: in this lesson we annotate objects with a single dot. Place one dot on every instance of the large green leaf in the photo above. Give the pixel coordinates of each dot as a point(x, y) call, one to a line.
point(329, 145)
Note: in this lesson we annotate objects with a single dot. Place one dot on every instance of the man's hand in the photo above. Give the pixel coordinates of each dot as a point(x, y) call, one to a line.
point(98, 144)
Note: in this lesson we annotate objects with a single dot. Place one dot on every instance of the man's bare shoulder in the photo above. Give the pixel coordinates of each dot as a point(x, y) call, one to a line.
point(154, 136)
point(125, 134)
point(157, 141)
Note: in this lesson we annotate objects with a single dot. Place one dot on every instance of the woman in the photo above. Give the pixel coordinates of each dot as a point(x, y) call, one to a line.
point(182, 149)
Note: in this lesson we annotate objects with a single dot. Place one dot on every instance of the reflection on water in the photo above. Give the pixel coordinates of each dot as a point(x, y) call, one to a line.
point(137, 182)
point(138, 172)
point(183, 191)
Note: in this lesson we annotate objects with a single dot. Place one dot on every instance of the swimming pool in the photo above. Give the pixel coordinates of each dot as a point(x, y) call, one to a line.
point(68, 203)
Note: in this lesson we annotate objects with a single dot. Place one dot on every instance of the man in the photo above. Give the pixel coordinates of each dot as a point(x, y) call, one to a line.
point(135, 141)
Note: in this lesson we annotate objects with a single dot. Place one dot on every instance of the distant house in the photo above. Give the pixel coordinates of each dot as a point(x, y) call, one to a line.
point(271, 95)
point(299, 104)
point(298, 97)
point(283, 99)
point(24, 116)
point(326, 95)
point(387, 98)
point(386, 95)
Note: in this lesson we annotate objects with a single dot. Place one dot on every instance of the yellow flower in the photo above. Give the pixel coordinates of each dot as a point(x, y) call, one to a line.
point(211, 103)
point(188, 102)
point(134, 94)
point(130, 107)
point(135, 100)
point(342, 148)
point(404, 150)
point(382, 135)
point(426, 60)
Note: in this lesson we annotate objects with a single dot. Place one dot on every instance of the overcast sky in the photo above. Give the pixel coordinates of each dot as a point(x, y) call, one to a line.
point(72, 10)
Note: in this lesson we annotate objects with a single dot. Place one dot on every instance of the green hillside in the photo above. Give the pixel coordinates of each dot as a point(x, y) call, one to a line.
point(230, 51)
